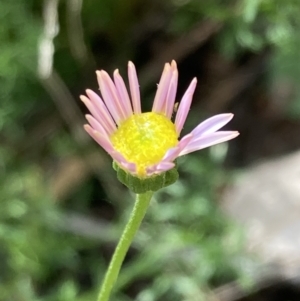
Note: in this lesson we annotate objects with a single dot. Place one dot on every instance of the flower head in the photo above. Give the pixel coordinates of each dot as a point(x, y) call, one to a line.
point(147, 144)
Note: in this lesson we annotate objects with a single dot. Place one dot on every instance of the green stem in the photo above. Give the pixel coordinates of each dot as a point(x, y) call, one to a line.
point(136, 217)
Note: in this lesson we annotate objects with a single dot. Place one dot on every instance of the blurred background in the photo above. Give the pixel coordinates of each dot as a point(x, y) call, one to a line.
point(229, 229)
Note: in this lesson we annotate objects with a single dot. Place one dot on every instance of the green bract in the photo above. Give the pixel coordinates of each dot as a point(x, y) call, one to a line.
point(152, 183)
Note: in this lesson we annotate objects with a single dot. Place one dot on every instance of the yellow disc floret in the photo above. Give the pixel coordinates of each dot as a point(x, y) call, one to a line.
point(144, 139)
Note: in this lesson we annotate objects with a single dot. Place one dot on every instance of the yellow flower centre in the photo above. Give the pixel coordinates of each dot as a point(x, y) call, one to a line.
point(144, 139)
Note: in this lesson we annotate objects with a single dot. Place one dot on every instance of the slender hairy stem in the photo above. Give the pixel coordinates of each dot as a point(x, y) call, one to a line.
point(136, 217)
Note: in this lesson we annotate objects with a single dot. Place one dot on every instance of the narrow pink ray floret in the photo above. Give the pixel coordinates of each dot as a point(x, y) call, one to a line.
point(146, 144)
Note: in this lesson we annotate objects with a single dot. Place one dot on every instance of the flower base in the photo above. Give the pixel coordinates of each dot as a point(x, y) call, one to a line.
point(142, 185)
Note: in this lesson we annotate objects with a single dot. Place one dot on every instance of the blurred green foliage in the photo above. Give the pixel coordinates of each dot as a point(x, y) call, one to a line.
point(186, 246)
point(21, 93)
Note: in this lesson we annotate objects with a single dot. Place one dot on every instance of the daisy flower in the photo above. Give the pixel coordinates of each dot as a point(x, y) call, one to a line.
point(147, 144)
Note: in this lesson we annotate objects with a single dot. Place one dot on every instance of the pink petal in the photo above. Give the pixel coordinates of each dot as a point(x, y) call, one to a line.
point(96, 125)
point(208, 140)
point(212, 124)
point(170, 99)
point(96, 106)
point(123, 94)
point(110, 96)
point(108, 147)
point(184, 106)
point(134, 88)
point(159, 168)
point(119, 158)
point(173, 65)
point(100, 139)
point(162, 90)
point(131, 167)
point(173, 153)
point(114, 94)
